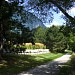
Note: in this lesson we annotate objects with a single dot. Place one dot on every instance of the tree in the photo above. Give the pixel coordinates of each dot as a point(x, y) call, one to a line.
point(43, 6)
point(39, 35)
point(26, 35)
point(71, 42)
point(55, 40)
point(6, 21)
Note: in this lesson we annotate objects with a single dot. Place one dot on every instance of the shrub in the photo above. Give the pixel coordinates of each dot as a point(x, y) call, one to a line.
point(73, 61)
point(30, 46)
point(40, 46)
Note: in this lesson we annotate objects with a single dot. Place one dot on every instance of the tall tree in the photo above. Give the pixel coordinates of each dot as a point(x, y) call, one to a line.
point(39, 35)
point(6, 13)
point(26, 35)
point(55, 40)
point(71, 42)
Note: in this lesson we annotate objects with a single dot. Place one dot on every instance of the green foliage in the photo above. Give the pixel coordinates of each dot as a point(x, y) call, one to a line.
point(39, 35)
point(11, 27)
point(55, 40)
point(69, 67)
point(65, 70)
point(29, 46)
point(72, 42)
point(26, 35)
point(68, 51)
point(73, 61)
point(6, 20)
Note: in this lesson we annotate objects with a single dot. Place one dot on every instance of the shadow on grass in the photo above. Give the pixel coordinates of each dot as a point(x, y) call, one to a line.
point(14, 64)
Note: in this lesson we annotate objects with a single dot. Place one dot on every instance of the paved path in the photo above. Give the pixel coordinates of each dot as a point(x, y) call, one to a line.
point(50, 68)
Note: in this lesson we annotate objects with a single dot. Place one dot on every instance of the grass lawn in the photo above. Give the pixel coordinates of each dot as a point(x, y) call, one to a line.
point(13, 64)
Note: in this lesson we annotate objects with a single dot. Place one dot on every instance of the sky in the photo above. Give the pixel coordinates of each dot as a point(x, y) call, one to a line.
point(57, 18)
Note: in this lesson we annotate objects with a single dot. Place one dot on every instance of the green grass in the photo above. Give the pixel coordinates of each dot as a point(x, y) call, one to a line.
point(69, 51)
point(13, 64)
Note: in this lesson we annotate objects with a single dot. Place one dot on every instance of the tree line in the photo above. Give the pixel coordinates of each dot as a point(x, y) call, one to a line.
point(55, 38)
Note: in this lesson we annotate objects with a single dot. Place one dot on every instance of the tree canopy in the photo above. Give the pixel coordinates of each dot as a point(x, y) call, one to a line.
point(39, 34)
point(55, 39)
point(7, 9)
point(43, 8)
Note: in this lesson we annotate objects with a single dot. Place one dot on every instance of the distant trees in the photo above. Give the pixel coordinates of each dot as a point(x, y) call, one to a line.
point(55, 40)
point(26, 36)
point(39, 34)
point(52, 37)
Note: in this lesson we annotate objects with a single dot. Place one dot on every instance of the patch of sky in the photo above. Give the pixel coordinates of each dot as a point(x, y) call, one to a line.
point(58, 20)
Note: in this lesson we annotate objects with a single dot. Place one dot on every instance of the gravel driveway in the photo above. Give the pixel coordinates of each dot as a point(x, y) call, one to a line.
point(50, 68)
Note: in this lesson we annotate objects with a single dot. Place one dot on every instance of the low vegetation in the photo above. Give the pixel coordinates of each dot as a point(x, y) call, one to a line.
point(35, 46)
point(73, 64)
point(13, 64)
point(65, 69)
point(69, 67)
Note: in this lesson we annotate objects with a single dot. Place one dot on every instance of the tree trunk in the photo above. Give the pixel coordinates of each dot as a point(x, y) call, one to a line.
point(1, 36)
point(72, 20)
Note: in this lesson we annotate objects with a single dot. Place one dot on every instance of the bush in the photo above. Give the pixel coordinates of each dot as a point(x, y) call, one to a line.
point(40, 46)
point(65, 70)
point(73, 61)
point(30, 46)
